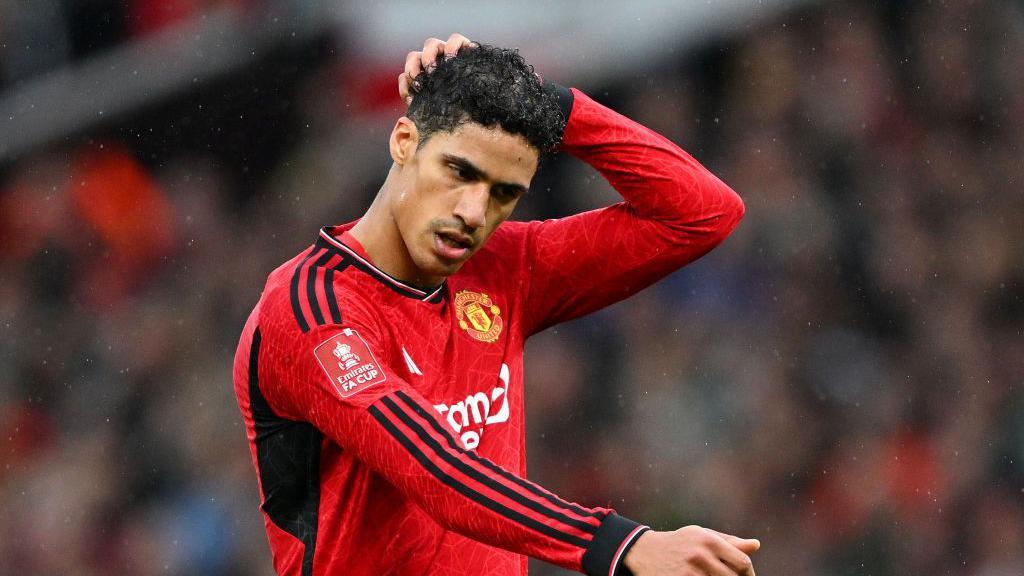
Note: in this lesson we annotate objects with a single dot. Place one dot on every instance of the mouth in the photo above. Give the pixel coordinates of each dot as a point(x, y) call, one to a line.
point(452, 245)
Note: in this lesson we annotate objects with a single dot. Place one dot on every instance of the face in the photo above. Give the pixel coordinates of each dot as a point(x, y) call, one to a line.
point(455, 190)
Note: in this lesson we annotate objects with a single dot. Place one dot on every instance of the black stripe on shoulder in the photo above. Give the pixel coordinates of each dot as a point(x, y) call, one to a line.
point(498, 469)
point(294, 293)
point(288, 459)
point(314, 302)
point(332, 300)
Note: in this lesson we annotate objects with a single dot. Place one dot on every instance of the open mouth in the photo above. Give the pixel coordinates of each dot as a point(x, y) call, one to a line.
point(452, 246)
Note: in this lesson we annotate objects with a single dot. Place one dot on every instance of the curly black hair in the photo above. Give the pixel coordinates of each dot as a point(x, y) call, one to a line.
point(490, 86)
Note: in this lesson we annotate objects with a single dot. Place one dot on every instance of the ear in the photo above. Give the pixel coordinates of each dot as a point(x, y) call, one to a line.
point(404, 139)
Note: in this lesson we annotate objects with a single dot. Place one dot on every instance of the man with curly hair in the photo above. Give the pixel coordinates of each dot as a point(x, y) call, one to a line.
point(380, 376)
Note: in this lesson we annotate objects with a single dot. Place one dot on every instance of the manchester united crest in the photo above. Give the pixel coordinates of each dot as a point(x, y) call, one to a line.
point(478, 315)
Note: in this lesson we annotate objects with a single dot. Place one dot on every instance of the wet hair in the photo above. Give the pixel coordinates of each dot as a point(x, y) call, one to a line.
point(491, 86)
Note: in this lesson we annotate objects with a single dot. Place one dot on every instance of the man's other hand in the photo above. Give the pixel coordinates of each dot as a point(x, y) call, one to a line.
point(691, 551)
point(420, 60)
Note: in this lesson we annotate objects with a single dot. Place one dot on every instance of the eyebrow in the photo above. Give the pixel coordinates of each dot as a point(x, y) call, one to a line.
point(478, 173)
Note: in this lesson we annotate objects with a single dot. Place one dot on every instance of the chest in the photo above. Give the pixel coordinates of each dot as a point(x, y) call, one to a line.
point(464, 355)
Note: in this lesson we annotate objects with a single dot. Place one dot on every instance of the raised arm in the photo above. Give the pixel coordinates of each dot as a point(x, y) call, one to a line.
point(674, 212)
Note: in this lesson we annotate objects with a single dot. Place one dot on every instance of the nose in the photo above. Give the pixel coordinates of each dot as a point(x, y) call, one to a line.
point(472, 206)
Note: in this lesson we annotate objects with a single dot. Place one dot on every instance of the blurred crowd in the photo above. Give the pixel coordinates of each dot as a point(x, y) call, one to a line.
point(843, 378)
point(37, 36)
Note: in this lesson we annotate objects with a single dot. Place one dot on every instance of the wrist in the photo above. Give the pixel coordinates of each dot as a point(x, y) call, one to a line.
point(631, 559)
point(565, 100)
point(611, 543)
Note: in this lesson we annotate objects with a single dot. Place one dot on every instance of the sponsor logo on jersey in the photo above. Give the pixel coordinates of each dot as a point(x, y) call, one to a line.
point(478, 315)
point(348, 363)
point(469, 416)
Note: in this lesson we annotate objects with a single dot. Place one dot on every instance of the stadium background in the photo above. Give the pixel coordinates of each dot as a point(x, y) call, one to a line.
point(841, 379)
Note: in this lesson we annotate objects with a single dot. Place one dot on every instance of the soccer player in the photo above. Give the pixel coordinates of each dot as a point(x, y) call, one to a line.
point(380, 375)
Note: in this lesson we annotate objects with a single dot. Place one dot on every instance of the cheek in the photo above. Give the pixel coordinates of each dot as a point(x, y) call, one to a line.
point(418, 204)
point(502, 210)
point(498, 213)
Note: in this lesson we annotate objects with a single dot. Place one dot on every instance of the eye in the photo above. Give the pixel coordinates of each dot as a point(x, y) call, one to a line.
point(460, 172)
point(505, 194)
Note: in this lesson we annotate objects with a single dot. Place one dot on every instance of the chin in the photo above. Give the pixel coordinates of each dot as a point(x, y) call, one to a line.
point(447, 269)
point(430, 265)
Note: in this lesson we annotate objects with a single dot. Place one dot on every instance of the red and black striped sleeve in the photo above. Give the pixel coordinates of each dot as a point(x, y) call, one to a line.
point(337, 377)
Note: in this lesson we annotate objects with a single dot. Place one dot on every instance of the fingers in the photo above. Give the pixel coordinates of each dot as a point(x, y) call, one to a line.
point(454, 43)
point(419, 60)
point(413, 66)
point(405, 88)
point(748, 545)
point(725, 548)
point(431, 49)
point(416, 62)
point(413, 63)
point(728, 553)
point(713, 566)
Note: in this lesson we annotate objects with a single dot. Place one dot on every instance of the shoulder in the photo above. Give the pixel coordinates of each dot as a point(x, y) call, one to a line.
point(501, 266)
point(512, 231)
point(508, 241)
point(300, 302)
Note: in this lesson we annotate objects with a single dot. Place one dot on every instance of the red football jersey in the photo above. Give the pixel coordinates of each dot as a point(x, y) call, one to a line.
point(386, 422)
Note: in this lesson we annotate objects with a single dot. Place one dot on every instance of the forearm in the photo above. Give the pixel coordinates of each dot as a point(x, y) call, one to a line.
point(659, 180)
point(400, 437)
point(389, 427)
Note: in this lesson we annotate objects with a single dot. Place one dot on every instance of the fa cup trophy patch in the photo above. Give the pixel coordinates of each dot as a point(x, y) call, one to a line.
point(348, 363)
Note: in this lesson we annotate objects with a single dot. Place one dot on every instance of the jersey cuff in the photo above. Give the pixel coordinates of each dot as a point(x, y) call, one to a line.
point(565, 99)
point(613, 539)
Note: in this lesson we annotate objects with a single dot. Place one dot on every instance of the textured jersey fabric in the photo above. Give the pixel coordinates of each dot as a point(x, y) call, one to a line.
point(386, 422)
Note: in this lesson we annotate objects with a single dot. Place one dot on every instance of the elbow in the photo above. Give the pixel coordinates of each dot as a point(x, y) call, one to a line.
point(729, 214)
point(734, 210)
point(709, 214)
point(701, 231)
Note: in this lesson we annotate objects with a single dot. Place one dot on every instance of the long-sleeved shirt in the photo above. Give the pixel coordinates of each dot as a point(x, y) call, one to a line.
point(386, 423)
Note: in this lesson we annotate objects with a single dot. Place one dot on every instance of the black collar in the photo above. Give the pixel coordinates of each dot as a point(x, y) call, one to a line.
point(350, 256)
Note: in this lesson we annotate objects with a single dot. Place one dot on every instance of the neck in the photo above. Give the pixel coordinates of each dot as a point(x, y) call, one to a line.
point(378, 232)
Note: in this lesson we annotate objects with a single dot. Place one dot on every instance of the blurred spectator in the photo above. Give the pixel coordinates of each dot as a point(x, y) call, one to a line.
point(120, 206)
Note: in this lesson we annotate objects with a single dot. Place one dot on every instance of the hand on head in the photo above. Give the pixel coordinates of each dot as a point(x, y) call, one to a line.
point(420, 60)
